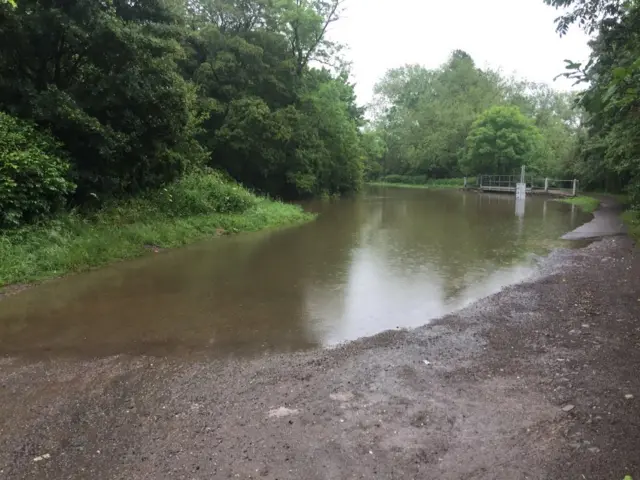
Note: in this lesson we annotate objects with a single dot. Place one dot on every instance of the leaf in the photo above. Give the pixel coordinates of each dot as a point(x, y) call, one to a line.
point(620, 73)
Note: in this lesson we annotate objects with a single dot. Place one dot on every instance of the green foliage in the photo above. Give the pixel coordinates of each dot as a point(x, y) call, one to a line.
point(120, 230)
point(424, 118)
point(610, 145)
point(588, 204)
point(33, 173)
point(500, 141)
point(104, 80)
point(139, 93)
point(631, 219)
point(198, 193)
point(633, 195)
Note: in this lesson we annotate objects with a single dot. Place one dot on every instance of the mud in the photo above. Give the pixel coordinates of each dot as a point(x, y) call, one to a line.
point(539, 381)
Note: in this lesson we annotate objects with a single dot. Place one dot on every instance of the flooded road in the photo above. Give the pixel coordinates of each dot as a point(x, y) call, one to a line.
point(386, 259)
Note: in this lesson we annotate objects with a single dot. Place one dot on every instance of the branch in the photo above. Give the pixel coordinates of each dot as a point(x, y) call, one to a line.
point(332, 17)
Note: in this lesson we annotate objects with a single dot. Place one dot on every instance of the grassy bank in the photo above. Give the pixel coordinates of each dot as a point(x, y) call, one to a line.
point(588, 204)
point(631, 219)
point(421, 182)
point(195, 208)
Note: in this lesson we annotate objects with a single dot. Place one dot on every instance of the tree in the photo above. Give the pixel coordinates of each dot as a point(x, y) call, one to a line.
point(587, 13)
point(610, 149)
point(500, 141)
point(141, 92)
point(426, 114)
point(103, 78)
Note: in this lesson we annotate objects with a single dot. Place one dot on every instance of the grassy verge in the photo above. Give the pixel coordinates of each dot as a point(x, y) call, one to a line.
point(631, 219)
point(192, 210)
point(434, 184)
point(588, 204)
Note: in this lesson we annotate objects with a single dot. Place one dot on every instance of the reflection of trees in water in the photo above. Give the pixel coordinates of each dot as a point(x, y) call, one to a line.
point(463, 237)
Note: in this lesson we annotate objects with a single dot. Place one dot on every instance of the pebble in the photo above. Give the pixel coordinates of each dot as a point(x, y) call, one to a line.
point(628, 396)
point(568, 408)
point(42, 457)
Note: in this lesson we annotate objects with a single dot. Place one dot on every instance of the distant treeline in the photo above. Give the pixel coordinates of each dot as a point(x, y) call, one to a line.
point(463, 120)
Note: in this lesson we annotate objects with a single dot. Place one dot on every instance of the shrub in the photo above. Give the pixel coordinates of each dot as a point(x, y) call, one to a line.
point(197, 193)
point(201, 193)
point(33, 173)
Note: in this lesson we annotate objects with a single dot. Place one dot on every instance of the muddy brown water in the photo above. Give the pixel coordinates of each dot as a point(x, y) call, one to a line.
point(388, 258)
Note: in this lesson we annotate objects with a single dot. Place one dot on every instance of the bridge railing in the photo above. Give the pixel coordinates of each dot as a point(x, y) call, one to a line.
point(503, 181)
point(508, 183)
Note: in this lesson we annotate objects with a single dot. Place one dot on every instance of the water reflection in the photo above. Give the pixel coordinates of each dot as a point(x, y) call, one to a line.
point(390, 258)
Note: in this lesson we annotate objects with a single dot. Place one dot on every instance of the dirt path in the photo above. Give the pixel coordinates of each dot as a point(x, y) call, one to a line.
point(539, 382)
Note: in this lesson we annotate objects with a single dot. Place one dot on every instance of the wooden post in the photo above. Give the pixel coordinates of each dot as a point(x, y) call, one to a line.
point(546, 184)
point(575, 186)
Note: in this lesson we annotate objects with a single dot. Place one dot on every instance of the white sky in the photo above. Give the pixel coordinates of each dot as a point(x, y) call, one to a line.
point(517, 36)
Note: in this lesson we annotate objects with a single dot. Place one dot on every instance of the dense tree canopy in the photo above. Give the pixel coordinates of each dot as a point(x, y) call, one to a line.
point(140, 92)
point(425, 118)
point(610, 148)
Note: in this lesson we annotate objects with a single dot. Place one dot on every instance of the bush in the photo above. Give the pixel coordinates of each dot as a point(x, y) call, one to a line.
point(33, 173)
point(203, 193)
point(197, 193)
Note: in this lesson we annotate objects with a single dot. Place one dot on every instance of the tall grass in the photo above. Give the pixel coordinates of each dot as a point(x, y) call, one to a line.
point(197, 207)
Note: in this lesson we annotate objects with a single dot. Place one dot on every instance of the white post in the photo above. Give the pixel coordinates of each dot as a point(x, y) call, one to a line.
point(521, 188)
point(465, 182)
point(546, 184)
point(575, 185)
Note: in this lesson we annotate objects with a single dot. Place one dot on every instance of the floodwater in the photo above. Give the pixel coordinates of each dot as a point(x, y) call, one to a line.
point(388, 258)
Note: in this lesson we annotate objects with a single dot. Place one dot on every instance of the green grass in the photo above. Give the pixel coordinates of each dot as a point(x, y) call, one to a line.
point(621, 198)
point(433, 184)
point(183, 213)
point(631, 219)
point(588, 204)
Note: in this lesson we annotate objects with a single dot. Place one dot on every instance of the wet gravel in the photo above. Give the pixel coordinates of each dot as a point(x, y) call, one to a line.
point(539, 381)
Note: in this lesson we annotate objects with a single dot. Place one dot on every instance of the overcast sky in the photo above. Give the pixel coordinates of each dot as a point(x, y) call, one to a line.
point(517, 36)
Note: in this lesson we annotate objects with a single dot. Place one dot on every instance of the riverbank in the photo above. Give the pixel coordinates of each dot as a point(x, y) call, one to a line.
point(194, 209)
point(538, 381)
point(430, 184)
point(630, 218)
